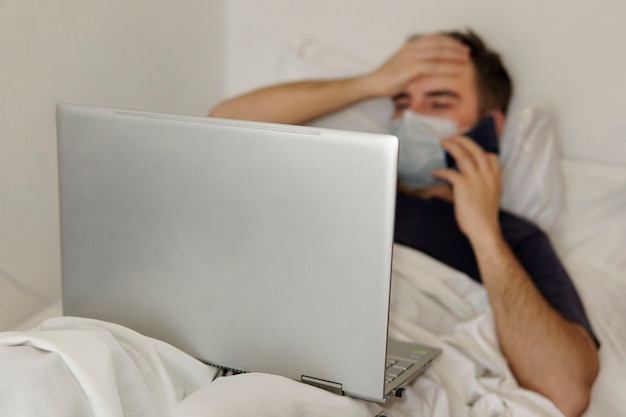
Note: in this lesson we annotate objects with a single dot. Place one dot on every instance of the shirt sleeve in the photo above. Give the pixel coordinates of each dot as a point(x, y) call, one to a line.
point(540, 261)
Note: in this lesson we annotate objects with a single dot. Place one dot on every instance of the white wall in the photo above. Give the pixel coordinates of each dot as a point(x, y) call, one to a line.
point(158, 55)
point(569, 53)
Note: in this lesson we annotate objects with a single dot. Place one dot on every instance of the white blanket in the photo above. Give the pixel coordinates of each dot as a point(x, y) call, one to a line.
point(74, 367)
point(435, 304)
point(79, 367)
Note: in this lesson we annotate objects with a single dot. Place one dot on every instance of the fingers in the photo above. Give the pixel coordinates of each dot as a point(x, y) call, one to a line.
point(426, 55)
point(438, 55)
point(476, 186)
point(469, 156)
point(445, 68)
point(449, 175)
point(474, 164)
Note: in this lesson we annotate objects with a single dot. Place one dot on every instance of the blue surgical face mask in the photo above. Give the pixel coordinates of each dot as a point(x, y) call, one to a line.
point(420, 152)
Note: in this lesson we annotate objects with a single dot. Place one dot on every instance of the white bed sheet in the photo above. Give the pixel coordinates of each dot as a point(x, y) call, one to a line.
point(433, 304)
point(593, 246)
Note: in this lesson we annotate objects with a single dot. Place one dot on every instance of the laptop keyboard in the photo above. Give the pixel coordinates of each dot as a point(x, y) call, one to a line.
point(395, 368)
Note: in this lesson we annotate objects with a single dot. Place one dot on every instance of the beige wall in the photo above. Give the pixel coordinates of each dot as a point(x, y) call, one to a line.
point(157, 55)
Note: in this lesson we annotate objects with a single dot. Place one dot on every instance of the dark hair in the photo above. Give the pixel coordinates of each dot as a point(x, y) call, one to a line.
point(494, 84)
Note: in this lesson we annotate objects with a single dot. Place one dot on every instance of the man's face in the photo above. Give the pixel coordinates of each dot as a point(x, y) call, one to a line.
point(448, 97)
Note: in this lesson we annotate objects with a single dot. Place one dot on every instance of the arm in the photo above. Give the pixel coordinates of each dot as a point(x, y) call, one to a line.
point(546, 352)
point(300, 102)
point(296, 103)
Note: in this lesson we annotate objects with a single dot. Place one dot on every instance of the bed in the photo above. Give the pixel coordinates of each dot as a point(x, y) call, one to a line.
point(470, 379)
point(72, 366)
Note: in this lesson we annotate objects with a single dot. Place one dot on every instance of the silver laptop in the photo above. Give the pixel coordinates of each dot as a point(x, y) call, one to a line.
point(251, 246)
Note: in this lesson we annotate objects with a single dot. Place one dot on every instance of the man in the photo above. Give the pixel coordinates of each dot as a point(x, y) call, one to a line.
point(453, 77)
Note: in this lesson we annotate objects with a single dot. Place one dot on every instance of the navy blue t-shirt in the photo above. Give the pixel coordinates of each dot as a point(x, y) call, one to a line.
point(430, 227)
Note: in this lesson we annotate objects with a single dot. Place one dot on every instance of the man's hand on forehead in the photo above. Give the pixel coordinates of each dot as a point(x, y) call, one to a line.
point(426, 55)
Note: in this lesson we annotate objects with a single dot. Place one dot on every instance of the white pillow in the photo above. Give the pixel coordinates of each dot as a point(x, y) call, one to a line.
point(533, 185)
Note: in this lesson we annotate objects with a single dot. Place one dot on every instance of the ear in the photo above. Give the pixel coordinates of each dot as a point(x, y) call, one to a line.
point(498, 118)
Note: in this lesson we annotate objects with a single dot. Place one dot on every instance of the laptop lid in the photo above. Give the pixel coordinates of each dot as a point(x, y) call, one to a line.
point(256, 246)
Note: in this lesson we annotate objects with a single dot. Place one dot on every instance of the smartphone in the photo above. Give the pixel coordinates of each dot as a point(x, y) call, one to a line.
point(484, 133)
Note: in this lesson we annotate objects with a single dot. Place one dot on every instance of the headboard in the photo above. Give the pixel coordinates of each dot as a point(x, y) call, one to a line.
point(566, 53)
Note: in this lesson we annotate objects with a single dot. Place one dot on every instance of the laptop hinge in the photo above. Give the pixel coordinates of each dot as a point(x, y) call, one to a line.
point(333, 387)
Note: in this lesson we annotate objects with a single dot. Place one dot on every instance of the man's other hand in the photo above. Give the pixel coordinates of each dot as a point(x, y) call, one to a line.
point(476, 187)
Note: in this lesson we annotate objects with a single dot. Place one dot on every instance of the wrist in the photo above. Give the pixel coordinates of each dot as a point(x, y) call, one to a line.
point(371, 85)
point(486, 239)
